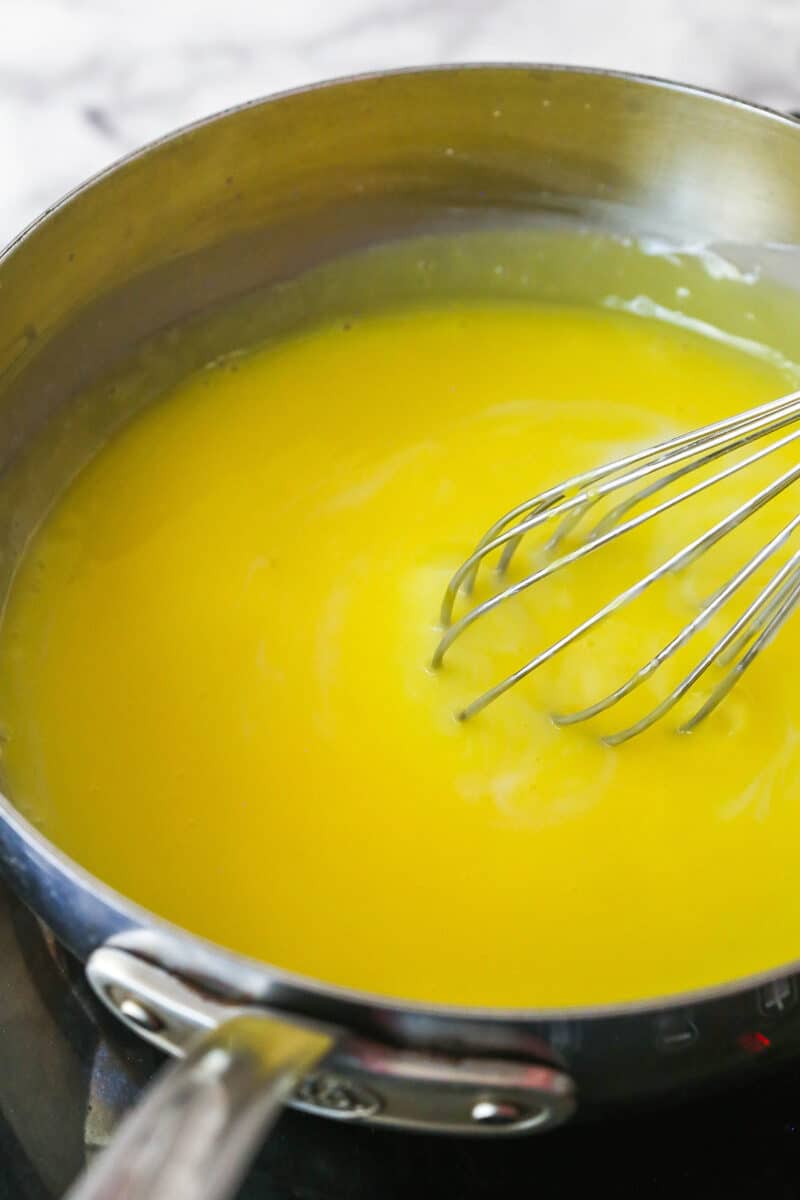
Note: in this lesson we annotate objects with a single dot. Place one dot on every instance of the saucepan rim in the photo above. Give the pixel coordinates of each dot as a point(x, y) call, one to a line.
point(297, 987)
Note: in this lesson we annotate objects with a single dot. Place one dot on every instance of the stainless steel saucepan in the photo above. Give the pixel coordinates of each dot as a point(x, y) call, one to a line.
point(196, 221)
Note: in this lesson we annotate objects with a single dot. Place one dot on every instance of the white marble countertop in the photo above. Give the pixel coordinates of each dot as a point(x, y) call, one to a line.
point(84, 81)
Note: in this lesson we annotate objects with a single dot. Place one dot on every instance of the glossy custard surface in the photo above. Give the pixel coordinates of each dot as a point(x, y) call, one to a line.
point(215, 693)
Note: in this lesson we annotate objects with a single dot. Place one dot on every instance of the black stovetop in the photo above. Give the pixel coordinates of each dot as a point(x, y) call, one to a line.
point(68, 1071)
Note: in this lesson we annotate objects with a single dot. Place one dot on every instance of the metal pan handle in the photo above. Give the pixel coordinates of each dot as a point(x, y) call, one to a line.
point(196, 1131)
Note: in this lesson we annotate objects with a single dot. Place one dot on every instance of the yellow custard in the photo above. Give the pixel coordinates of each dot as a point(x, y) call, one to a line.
point(215, 690)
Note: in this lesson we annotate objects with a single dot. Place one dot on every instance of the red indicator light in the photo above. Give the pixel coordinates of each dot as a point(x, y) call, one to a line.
point(754, 1043)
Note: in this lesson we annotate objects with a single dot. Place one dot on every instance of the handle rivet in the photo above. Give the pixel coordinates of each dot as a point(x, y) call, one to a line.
point(496, 1112)
point(138, 1014)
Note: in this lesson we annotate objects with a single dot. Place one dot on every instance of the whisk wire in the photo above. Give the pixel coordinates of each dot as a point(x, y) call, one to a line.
point(697, 672)
point(734, 675)
point(557, 502)
point(703, 617)
point(568, 503)
point(700, 545)
point(653, 457)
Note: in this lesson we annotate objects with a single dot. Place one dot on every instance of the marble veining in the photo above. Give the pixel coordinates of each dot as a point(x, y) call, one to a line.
point(84, 81)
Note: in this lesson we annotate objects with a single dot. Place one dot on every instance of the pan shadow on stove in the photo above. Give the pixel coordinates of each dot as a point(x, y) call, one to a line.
point(68, 1072)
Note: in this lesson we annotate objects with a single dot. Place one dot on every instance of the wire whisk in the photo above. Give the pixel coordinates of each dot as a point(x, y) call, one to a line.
point(627, 484)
